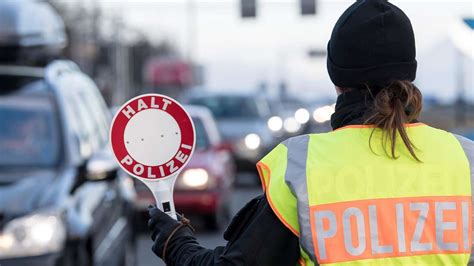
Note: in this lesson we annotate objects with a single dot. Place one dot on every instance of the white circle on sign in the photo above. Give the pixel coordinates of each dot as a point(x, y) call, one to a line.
point(152, 137)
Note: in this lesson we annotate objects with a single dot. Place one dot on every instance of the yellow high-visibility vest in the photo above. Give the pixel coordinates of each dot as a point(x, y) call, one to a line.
point(352, 204)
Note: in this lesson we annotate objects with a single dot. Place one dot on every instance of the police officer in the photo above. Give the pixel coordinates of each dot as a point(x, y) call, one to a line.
point(380, 189)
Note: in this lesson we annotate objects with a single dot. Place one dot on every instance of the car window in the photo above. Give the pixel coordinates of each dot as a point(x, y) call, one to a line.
point(95, 116)
point(73, 117)
point(229, 107)
point(29, 131)
point(202, 139)
point(78, 114)
point(86, 112)
point(86, 125)
point(97, 107)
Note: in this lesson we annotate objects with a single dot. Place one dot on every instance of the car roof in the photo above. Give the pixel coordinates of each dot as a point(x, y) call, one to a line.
point(21, 79)
point(50, 73)
point(208, 120)
point(199, 111)
point(22, 71)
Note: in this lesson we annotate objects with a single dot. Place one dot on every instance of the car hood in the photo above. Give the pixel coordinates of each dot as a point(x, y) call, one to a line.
point(238, 129)
point(31, 191)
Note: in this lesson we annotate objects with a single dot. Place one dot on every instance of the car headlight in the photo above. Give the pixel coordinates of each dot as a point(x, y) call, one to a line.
point(252, 141)
point(302, 116)
point(197, 178)
point(291, 125)
point(32, 235)
point(323, 114)
point(275, 123)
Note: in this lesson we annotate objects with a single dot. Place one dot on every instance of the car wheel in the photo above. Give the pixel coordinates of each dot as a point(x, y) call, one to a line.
point(66, 258)
point(75, 254)
point(84, 258)
point(218, 220)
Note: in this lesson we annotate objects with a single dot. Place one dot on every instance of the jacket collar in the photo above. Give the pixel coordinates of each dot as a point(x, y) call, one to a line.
point(351, 107)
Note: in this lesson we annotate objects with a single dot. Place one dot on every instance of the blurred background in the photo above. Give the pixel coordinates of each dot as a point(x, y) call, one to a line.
point(250, 72)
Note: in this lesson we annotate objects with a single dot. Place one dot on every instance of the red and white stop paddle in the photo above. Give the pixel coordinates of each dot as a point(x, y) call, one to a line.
point(153, 138)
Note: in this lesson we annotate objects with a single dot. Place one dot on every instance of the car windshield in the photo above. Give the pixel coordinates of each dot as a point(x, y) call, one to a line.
point(230, 107)
point(202, 139)
point(29, 131)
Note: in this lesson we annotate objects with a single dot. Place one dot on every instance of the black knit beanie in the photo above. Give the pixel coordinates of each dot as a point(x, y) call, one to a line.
point(371, 44)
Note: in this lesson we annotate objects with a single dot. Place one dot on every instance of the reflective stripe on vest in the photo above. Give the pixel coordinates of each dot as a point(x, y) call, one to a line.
point(352, 205)
point(468, 147)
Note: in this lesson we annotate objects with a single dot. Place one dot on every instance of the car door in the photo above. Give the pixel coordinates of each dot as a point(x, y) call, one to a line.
point(97, 204)
point(109, 218)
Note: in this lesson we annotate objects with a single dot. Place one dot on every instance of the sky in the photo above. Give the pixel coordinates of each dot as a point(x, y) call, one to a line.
point(238, 54)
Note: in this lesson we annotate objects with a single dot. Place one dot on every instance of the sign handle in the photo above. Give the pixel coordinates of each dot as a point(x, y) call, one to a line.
point(163, 192)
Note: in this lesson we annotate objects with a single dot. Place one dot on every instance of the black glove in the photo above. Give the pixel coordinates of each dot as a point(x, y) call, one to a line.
point(163, 228)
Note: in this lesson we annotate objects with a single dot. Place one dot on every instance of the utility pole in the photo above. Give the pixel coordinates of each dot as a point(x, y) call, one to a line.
point(460, 109)
point(191, 29)
point(121, 64)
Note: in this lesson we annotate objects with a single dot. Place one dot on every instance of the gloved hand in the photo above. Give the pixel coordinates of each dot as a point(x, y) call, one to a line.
point(163, 228)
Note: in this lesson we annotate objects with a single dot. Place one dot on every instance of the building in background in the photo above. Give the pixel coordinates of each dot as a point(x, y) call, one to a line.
point(117, 55)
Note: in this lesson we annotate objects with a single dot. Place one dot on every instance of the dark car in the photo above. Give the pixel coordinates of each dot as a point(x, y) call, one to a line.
point(63, 201)
point(242, 120)
point(204, 188)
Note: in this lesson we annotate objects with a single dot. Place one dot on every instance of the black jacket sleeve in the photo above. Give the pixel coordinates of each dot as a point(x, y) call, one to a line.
point(255, 237)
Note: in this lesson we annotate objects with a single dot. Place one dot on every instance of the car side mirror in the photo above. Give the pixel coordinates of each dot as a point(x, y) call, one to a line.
point(101, 166)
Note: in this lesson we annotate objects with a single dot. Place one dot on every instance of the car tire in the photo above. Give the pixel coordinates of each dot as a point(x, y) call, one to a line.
point(84, 254)
point(66, 258)
point(75, 254)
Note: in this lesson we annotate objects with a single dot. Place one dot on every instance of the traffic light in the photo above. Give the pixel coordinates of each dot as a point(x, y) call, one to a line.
point(469, 22)
point(308, 7)
point(248, 8)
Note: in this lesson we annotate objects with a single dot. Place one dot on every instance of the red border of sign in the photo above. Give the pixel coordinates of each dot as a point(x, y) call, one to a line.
point(185, 123)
